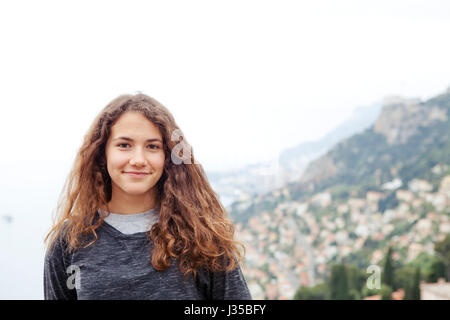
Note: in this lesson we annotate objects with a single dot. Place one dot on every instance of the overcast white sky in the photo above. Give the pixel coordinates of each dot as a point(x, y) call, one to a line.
point(244, 79)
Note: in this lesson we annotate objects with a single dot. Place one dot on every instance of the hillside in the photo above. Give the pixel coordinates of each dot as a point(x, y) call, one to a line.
point(387, 185)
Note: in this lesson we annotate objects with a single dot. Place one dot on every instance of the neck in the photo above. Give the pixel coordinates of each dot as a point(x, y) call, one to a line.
point(130, 204)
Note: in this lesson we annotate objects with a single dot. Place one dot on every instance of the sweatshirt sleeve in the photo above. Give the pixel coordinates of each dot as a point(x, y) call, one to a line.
point(55, 276)
point(229, 285)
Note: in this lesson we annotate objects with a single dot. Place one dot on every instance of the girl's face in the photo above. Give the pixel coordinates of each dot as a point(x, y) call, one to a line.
point(135, 145)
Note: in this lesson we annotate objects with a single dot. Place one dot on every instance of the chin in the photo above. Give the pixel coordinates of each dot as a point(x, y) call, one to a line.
point(136, 192)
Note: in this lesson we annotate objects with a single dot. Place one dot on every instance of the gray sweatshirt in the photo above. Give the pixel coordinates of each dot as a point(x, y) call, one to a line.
point(117, 267)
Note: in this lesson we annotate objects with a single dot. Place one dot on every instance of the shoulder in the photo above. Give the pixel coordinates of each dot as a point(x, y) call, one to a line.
point(61, 239)
point(58, 243)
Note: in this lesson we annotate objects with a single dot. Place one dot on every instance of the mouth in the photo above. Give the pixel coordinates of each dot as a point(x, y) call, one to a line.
point(137, 174)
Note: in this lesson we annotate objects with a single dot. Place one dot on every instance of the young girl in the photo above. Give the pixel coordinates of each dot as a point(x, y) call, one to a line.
point(137, 218)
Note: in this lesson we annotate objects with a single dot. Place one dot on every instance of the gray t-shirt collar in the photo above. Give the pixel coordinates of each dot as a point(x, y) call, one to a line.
point(132, 223)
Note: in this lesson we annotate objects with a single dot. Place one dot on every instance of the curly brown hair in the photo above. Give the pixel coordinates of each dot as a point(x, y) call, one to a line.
point(193, 225)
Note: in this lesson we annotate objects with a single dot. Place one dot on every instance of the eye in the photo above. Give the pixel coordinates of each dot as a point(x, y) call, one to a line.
point(152, 146)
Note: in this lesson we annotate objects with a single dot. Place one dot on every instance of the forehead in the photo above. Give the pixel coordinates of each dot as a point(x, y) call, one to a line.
point(134, 125)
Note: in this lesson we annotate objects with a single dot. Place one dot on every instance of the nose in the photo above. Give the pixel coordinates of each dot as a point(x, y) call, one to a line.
point(137, 158)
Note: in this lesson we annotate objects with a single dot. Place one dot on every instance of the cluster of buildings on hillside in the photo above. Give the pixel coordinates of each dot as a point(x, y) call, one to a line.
point(292, 246)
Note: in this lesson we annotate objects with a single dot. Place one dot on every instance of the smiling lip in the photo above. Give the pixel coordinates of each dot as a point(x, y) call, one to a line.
point(137, 174)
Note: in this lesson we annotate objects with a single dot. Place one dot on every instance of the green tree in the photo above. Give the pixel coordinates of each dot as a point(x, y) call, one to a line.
point(354, 294)
point(387, 276)
point(318, 292)
point(437, 270)
point(386, 292)
point(338, 283)
point(356, 279)
point(408, 291)
point(412, 288)
point(366, 292)
point(402, 278)
point(442, 248)
point(415, 287)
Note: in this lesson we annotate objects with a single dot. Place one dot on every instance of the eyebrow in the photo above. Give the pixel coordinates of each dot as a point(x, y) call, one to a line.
point(129, 139)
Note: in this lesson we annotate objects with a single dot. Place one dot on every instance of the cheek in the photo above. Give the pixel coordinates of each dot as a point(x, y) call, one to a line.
point(116, 161)
point(159, 162)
